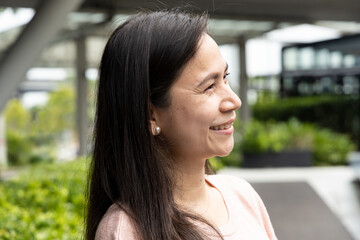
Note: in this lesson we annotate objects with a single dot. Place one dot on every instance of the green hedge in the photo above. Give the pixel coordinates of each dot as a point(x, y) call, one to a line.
point(327, 147)
point(339, 113)
point(19, 148)
point(45, 202)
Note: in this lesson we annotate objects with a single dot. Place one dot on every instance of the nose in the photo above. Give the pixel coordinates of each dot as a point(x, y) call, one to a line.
point(230, 101)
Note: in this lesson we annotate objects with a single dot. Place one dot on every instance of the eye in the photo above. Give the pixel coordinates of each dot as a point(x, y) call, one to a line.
point(210, 87)
point(225, 77)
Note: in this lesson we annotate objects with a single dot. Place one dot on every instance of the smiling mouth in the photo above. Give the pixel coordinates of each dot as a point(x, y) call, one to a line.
point(221, 127)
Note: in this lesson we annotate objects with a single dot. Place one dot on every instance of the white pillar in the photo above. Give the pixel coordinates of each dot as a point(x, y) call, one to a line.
point(244, 110)
point(37, 34)
point(81, 92)
point(3, 151)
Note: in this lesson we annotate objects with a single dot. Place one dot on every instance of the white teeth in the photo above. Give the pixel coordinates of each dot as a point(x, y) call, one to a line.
point(221, 127)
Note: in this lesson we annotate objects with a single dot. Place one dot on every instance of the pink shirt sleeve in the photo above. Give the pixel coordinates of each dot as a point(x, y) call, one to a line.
point(115, 225)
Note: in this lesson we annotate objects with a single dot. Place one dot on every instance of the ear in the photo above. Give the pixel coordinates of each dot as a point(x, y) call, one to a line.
point(154, 116)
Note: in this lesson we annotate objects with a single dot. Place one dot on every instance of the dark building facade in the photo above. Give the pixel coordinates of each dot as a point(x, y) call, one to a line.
point(326, 67)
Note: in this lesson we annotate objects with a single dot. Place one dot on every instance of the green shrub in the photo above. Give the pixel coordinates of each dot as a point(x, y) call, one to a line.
point(260, 137)
point(29, 132)
point(46, 202)
point(19, 148)
point(339, 113)
point(327, 147)
point(43, 154)
point(331, 148)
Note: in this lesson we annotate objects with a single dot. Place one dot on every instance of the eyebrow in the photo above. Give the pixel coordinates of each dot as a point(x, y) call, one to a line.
point(211, 76)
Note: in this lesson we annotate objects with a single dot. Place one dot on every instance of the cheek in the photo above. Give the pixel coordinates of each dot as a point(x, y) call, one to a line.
point(195, 109)
point(187, 124)
point(197, 117)
point(187, 121)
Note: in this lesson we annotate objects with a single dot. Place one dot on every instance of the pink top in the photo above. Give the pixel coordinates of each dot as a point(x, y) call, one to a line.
point(248, 218)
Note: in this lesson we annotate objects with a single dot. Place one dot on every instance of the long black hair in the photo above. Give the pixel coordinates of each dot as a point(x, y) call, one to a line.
point(130, 166)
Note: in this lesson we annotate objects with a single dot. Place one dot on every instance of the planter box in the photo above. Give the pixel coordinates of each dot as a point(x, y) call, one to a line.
point(281, 159)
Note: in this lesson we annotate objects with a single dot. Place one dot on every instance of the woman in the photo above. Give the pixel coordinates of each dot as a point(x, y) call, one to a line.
point(165, 106)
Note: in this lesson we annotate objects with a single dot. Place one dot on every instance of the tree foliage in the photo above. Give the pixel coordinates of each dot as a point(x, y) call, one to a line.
point(56, 116)
point(32, 134)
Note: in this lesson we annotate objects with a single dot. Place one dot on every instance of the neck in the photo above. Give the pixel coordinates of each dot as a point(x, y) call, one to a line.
point(191, 189)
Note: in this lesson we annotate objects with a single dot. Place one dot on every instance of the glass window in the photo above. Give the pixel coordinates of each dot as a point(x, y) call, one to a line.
point(307, 58)
point(322, 58)
point(326, 84)
point(349, 61)
point(338, 89)
point(288, 83)
point(290, 58)
point(303, 88)
point(336, 59)
point(351, 84)
point(357, 61)
point(317, 87)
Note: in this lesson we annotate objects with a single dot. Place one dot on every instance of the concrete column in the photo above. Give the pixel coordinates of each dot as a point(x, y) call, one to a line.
point(3, 151)
point(244, 110)
point(81, 90)
point(38, 33)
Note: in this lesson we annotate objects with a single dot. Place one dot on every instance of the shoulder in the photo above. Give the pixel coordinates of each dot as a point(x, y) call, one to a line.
point(115, 225)
point(241, 195)
point(230, 182)
point(235, 186)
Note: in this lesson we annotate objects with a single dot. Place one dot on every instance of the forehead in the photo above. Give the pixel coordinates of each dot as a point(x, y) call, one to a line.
point(206, 60)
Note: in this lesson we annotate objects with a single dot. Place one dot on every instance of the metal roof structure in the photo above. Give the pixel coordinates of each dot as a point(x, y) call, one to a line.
point(229, 20)
point(275, 10)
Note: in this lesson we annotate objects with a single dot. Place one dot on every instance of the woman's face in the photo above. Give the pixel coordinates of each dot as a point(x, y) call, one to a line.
point(198, 122)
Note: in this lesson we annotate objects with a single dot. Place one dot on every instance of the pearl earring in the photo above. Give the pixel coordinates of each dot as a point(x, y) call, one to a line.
point(157, 130)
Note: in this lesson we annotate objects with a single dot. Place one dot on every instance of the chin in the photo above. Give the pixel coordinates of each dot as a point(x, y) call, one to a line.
point(225, 151)
point(224, 154)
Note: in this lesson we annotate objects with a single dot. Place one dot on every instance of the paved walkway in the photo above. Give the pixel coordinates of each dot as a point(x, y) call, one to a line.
point(329, 194)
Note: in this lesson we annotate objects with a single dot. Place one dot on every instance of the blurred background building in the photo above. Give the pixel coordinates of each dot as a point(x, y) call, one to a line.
point(331, 66)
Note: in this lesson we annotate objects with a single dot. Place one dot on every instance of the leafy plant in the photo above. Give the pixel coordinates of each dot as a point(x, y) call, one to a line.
point(33, 134)
point(19, 144)
point(56, 116)
point(45, 202)
point(327, 147)
point(339, 113)
point(330, 148)
point(19, 148)
point(275, 137)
